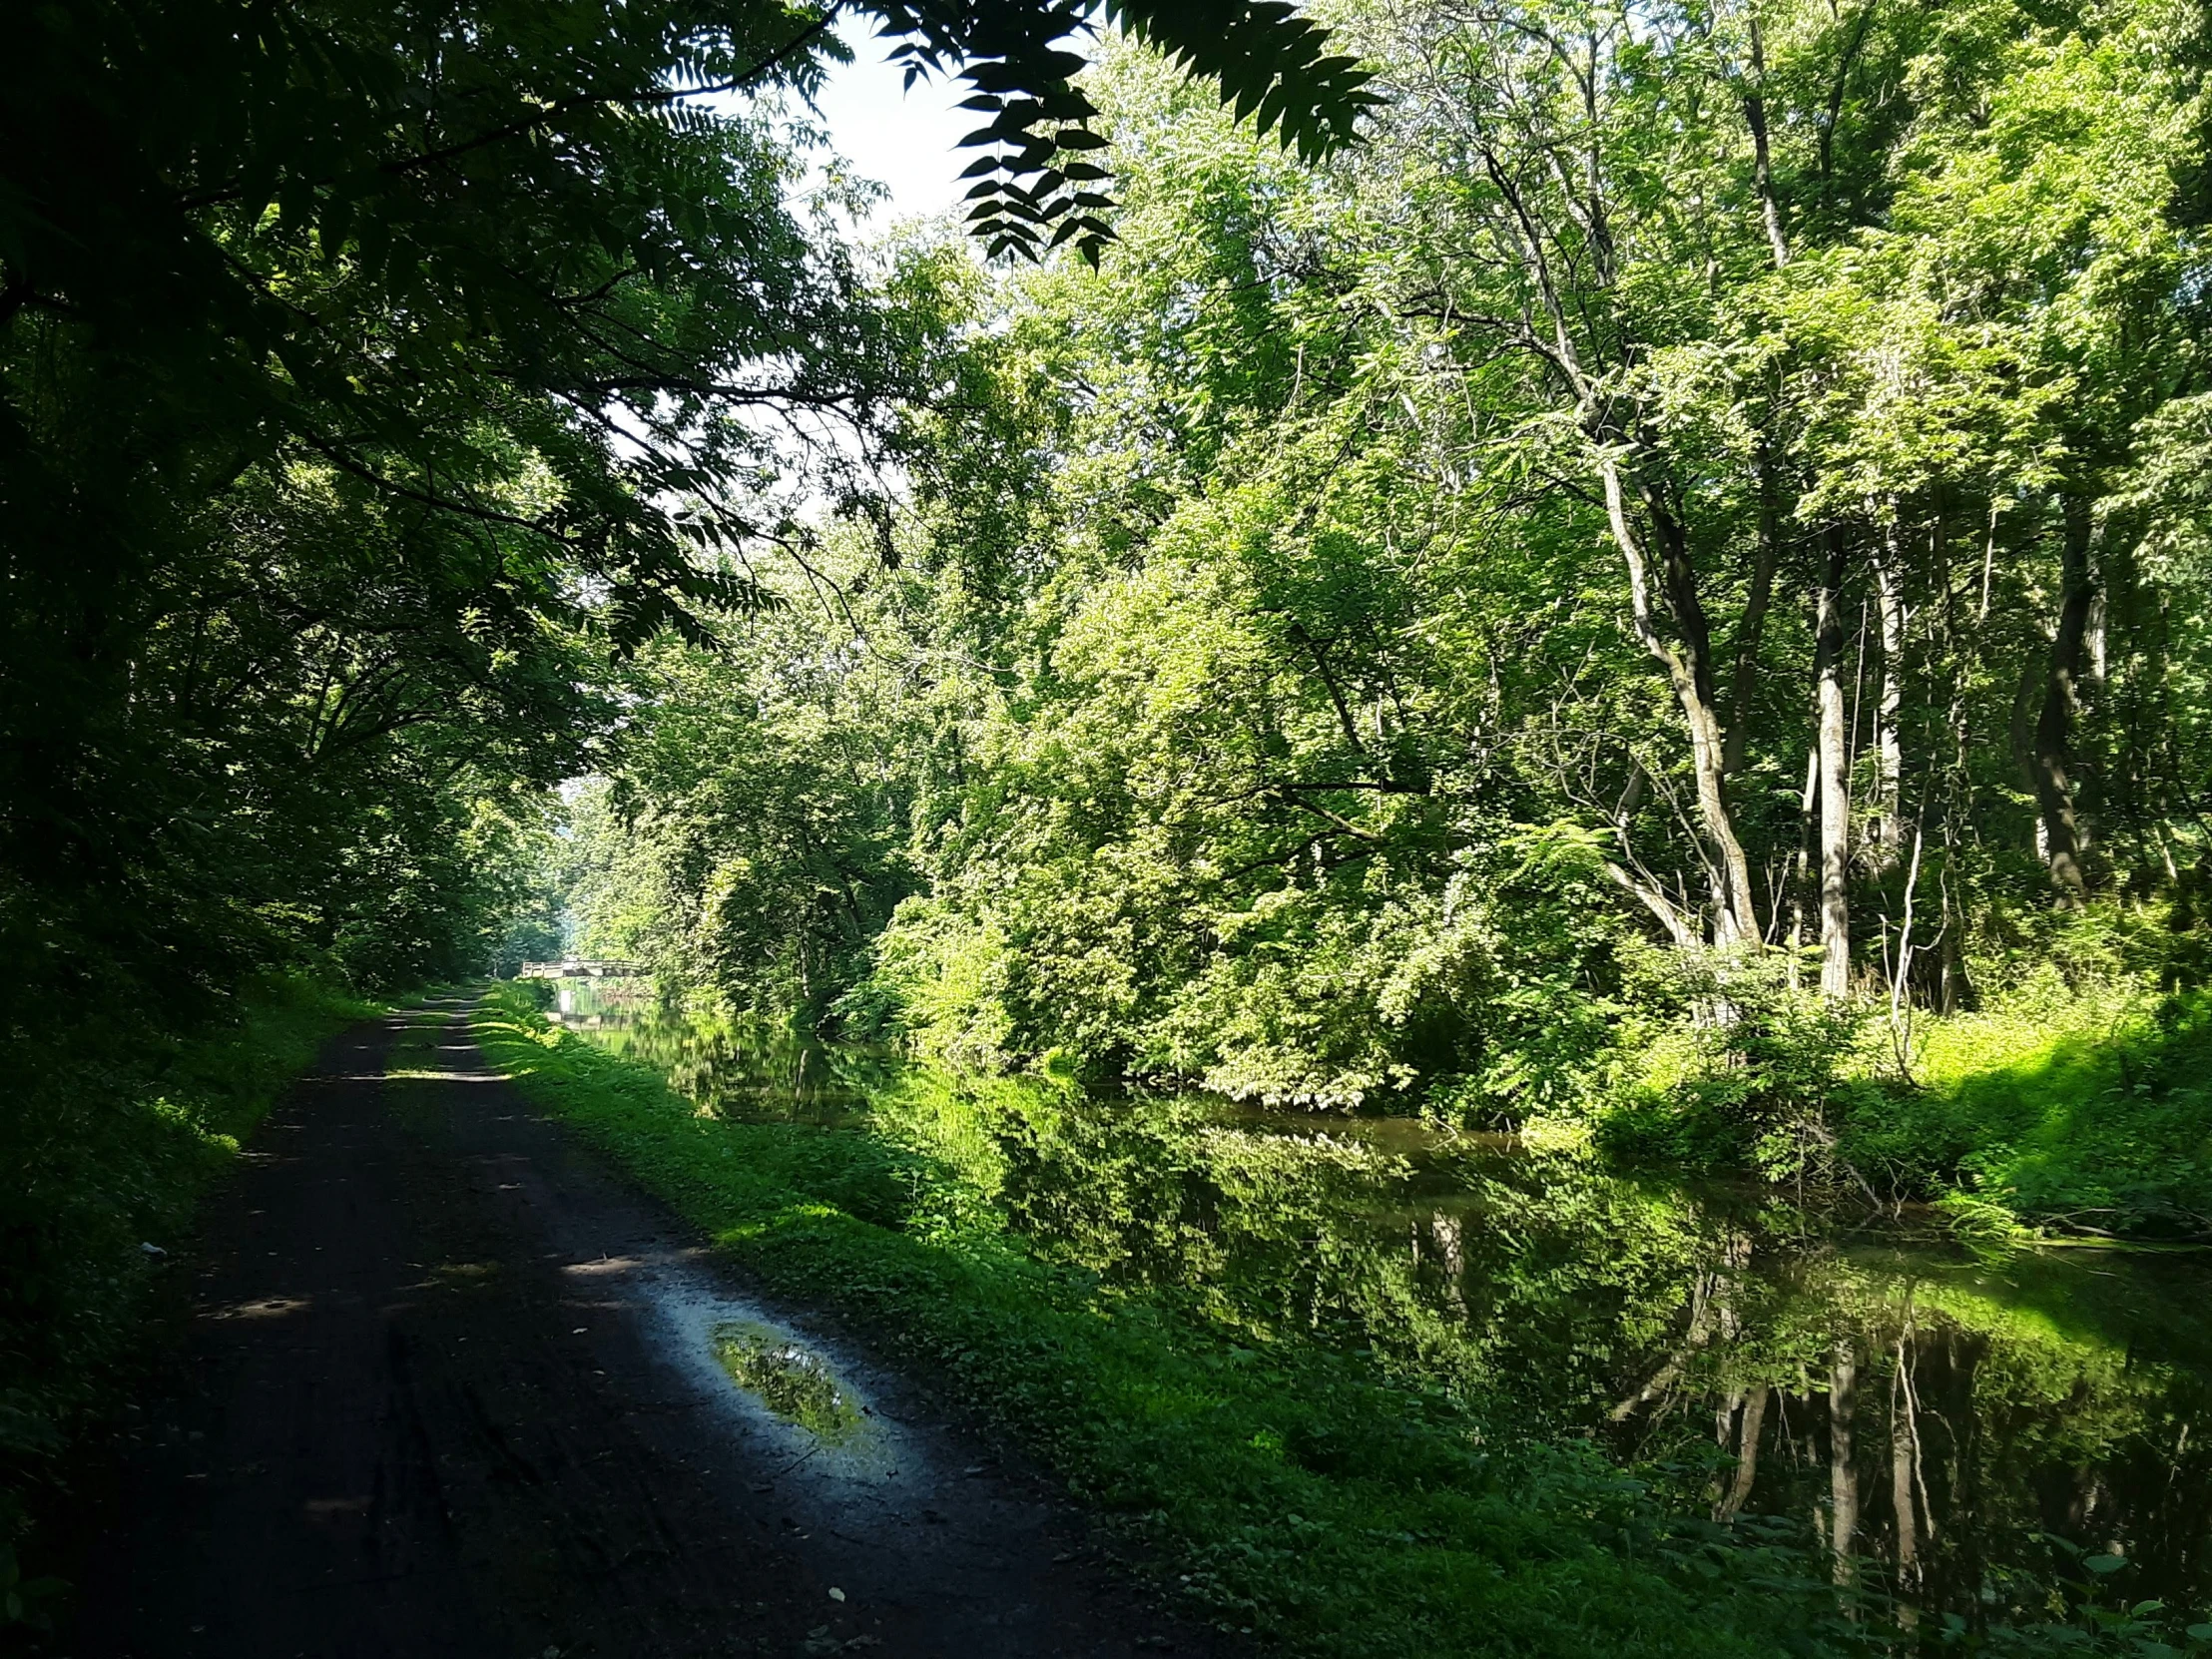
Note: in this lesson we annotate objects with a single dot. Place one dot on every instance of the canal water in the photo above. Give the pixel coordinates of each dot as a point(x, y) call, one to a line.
point(1949, 1427)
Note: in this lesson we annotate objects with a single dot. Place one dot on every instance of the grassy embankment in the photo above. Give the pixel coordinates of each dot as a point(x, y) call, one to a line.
point(2074, 1105)
point(2085, 1114)
point(1292, 1495)
point(106, 1156)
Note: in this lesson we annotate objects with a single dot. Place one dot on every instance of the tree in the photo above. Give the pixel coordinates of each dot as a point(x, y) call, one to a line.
point(1689, 443)
point(395, 352)
point(373, 379)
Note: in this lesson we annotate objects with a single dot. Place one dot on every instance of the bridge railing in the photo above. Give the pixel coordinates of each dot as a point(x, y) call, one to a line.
point(579, 967)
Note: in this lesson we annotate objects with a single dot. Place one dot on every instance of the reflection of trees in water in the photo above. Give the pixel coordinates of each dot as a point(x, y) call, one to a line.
point(1842, 1473)
point(1939, 1434)
point(739, 1067)
point(1923, 1430)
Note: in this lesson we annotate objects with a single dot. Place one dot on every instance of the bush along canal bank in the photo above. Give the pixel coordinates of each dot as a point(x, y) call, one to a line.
point(1367, 1390)
point(2067, 1107)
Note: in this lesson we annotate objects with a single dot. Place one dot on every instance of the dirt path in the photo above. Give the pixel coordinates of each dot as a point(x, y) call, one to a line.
point(444, 1394)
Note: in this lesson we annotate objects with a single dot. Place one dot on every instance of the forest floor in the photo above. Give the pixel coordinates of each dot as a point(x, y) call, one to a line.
point(446, 1388)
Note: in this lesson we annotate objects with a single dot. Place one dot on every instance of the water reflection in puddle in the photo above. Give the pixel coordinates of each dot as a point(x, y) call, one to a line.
point(789, 1380)
point(1929, 1416)
point(773, 1383)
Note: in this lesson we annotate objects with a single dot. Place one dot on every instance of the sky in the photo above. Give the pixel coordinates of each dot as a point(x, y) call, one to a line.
point(907, 141)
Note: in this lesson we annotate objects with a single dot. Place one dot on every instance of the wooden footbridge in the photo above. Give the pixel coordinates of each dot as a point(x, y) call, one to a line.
point(578, 967)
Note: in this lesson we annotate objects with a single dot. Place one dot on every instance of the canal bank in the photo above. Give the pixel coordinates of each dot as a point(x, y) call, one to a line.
point(1378, 1386)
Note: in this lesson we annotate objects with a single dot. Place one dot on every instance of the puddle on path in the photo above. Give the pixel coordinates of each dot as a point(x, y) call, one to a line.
point(790, 1379)
point(780, 1384)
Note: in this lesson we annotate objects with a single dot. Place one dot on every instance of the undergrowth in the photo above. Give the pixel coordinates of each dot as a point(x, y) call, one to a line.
point(105, 1155)
point(2087, 1114)
point(2071, 1102)
point(1292, 1495)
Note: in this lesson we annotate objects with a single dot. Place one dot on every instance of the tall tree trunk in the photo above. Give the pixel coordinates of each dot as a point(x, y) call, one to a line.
point(1688, 661)
point(1761, 160)
point(1755, 617)
point(1753, 1423)
point(1835, 776)
point(1801, 862)
point(1889, 575)
point(1952, 990)
point(2061, 839)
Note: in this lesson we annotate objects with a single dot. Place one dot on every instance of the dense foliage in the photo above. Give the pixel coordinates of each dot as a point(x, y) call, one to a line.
point(1692, 535)
point(1664, 584)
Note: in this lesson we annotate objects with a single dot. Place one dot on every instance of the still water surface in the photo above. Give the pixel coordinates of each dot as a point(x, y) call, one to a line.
point(1935, 1419)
